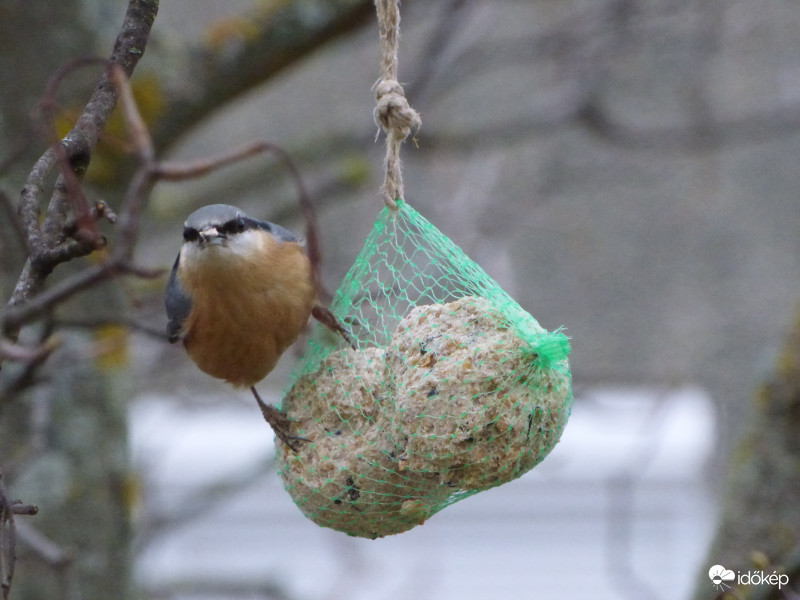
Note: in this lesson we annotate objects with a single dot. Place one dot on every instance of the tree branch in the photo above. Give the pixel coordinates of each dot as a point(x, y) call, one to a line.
point(8, 536)
point(135, 199)
point(74, 151)
point(283, 38)
point(760, 513)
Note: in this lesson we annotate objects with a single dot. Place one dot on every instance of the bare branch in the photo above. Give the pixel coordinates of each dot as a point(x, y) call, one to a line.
point(27, 375)
point(174, 171)
point(132, 324)
point(48, 246)
point(137, 130)
point(8, 536)
point(17, 353)
point(20, 314)
point(8, 543)
point(18, 508)
point(284, 37)
point(180, 171)
point(102, 210)
point(45, 548)
point(68, 192)
point(72, 154)
point(131, 207)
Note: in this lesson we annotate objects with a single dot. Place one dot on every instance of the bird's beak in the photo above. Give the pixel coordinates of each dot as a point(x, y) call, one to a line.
point(212, 237)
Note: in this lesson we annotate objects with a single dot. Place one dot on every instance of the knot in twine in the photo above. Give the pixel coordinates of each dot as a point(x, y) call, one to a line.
point(395, 116)
point(393, 113)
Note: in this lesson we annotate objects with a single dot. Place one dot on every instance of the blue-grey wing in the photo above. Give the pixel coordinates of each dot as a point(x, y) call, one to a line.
point(178, 303)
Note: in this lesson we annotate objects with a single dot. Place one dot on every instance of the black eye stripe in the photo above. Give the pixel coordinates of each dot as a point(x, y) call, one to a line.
point(190, 234)
point(231, 227)
point(236, 225)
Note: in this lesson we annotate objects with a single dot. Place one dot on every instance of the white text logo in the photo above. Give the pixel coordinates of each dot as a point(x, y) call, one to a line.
point(722, 578)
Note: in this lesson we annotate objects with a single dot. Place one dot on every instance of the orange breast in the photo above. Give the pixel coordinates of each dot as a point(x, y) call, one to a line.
point(246, 313)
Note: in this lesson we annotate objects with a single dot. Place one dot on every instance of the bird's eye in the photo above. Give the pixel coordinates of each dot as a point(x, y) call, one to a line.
point(190, 234)
point(233, 226)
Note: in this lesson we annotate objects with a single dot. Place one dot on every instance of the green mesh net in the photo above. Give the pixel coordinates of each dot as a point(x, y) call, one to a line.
point(452, 388)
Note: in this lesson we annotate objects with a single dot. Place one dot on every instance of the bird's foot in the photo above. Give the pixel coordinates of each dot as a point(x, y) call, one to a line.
point(280, 423)
point(329, 320)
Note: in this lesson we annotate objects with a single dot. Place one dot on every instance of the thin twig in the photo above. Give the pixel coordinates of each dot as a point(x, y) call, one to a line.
point(72, 153)
point(170, 171)
point(27, 375)
point(49, 246)
point(24, 354)
point(137, 130)
point(67, 288)
point(68, 192)
point(17, 316)
point(283, 37)
point(132, 205)
point(173, 171)
point(8, 540)
point(132, 324)
point(45, 548)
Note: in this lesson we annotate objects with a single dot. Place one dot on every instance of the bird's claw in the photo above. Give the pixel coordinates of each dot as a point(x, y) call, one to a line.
point(329, 320)
point(280, 423)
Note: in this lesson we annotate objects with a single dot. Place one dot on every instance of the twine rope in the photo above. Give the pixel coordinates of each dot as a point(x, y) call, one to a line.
point(393, 114)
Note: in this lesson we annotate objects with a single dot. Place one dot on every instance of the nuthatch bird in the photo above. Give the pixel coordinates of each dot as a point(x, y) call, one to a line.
point(239, 294)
